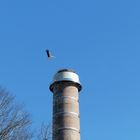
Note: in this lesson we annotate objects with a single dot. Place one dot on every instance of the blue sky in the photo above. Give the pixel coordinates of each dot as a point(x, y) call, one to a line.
point(99, 39)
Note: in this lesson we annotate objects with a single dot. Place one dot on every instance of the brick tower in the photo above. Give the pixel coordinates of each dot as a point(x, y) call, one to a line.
point(66, 119)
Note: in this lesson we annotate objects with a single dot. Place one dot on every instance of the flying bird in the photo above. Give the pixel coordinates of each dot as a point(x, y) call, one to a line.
point(49, 54)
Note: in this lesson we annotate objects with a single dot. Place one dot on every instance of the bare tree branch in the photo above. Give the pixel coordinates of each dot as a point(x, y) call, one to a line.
point(45, 132)
point(14, 121)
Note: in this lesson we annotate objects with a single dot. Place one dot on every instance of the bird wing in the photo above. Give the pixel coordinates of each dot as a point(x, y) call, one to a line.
point(48, 53)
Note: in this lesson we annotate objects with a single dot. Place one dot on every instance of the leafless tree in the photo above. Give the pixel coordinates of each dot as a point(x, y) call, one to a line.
point(14, 121)
point(44, 132)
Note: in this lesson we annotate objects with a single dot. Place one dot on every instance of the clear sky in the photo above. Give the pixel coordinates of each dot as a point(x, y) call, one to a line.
point(100, 39)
